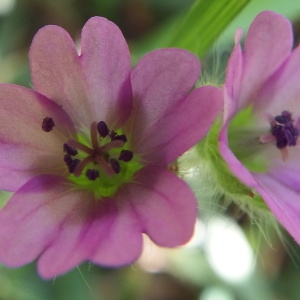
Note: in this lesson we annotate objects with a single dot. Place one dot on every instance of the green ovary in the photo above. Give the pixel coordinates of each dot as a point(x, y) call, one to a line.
point(104, 185)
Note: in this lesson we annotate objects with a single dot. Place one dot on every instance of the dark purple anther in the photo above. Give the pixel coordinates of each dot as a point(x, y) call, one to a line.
point(284, 118)
point(102, 129)
point(92, 174)
point(69, 150)
point(68, 159)
point(73, 164)
point(112, 135)
point(121, 137)
point(48, 124)
point(284, 131)
point(126, 155)
point(117, 137)
point(115, 165)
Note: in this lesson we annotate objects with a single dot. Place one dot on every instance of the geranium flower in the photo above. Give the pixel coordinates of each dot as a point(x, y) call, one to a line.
point(260, 135)
point(87, 151)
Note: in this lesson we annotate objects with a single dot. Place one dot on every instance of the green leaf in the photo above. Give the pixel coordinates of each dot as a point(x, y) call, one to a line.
point(204, 23)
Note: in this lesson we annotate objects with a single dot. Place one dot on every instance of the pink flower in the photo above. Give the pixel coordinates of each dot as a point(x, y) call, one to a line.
point(87, 151)
point(262, 84)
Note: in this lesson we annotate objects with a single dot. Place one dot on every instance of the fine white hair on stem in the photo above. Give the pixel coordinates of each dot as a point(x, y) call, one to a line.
point(260, 225)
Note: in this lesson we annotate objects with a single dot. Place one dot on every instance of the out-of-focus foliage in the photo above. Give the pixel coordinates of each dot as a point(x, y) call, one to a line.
point(204, 23)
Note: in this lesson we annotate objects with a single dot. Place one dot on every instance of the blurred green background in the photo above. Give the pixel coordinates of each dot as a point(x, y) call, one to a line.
point(229, 258)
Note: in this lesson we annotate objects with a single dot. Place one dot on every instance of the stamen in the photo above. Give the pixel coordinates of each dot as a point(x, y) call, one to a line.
point(81, 165)
point(120, 137)
point(48, 124)
point(284, 154)
point(68, 159)
point(94, 136)
point(96, 154)
point(72, 166)
point(112, 134)
point(126, 155)
point(285, 132)
point(267, 138)
point(103, 163)
point(79, 146)
point(102, 129)
point(115, 165)
point(92, 174)
point(70, 150)
point(112, 145)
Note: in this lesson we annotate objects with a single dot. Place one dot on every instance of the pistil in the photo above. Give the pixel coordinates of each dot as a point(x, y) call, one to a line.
point(103, 162)
point(97, 154)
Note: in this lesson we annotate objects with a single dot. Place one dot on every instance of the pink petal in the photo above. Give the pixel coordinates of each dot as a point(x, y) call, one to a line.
point(32, 217)
point(56, 73)
point(106, 232)
point(160, 82)
point(106, 66)
point(92, 87)
point(164, 204)
point(234, 73)
point(268, 43)
point(287, 173)
point(66, 226)
point(25, 149)
point(281, 91)
point(283, 201)
point(122, 242)
point(236, 167)
point(182, 126)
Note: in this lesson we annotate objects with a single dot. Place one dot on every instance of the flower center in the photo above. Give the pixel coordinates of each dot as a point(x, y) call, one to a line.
point(283, 131)
point(100, 163)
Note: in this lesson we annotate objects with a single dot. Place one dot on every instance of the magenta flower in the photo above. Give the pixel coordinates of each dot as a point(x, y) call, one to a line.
point(87, 151)
point(262, 83)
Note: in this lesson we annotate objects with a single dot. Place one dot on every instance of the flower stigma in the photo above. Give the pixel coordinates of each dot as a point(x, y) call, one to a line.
point(99, 163)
